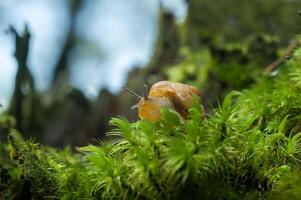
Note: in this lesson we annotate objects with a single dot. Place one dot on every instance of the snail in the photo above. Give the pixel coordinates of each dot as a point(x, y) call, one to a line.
point(164, 94)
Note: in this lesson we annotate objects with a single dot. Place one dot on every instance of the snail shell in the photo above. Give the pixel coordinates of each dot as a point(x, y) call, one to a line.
point(174, 96)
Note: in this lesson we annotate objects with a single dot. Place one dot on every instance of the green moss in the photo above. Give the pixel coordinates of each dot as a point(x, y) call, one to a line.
point(249, 148)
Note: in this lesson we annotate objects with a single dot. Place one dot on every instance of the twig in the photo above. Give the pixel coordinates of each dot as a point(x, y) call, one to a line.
point(288, 52)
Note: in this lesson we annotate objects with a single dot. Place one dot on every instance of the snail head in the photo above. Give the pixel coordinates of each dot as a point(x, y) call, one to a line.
point(142, 99)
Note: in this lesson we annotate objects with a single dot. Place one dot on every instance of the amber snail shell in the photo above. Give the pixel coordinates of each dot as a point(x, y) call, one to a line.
point(174, 96)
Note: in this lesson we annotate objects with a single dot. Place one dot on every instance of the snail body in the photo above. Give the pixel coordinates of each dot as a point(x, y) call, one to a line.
point(165, 94)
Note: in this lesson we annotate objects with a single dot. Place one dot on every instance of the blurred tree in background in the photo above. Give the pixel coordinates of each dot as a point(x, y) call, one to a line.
point(25, 103)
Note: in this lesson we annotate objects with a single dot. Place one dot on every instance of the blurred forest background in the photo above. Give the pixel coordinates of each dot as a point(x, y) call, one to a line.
point(63, 62)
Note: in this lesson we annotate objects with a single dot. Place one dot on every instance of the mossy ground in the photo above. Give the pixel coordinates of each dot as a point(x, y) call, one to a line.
point(249, 148)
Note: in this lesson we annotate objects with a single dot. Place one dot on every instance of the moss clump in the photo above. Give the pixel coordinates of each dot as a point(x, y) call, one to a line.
point(250, 148)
